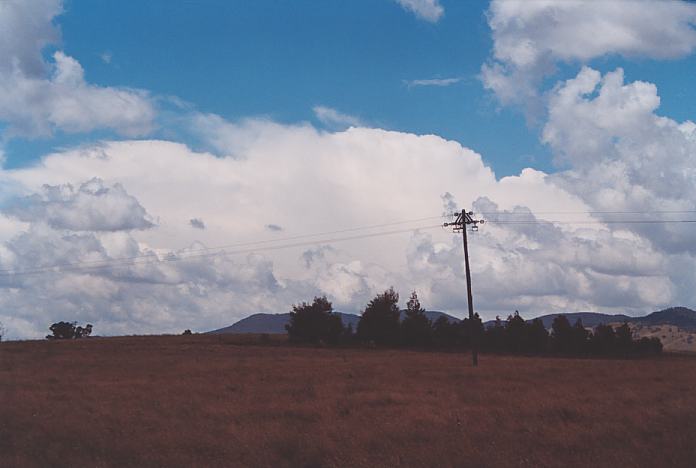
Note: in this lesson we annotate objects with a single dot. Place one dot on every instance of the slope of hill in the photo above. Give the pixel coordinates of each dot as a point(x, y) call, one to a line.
point(681, 317)
point(275, 323)
point(589, 319)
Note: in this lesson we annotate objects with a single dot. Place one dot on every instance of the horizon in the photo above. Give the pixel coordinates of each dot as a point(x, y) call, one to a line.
point(173, 165)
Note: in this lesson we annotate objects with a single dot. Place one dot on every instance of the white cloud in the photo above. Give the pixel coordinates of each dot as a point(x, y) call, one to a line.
point(310, 181)
point(93, 206)
point(26, 27)
point(530, 37)
point(335, 119)
point(441, 82)
point(427, 10)
point(623, 155)
point(38, 97)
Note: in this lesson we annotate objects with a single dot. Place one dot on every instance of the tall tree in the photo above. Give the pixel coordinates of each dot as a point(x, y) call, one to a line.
point(314, 323)
point(416, 329)
point(379, 322)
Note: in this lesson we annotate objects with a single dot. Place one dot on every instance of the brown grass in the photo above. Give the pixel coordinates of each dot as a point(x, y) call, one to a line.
point(211, 401)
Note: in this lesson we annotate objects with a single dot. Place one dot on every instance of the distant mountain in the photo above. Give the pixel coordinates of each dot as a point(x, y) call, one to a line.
point(681, 317)
point(275, 323)
point(257, 323)
point(589, 319)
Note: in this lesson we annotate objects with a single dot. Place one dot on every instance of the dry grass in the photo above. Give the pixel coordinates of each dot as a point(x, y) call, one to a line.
point(210, 401)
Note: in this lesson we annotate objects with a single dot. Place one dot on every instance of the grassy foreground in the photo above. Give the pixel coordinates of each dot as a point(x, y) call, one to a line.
point(218, 401)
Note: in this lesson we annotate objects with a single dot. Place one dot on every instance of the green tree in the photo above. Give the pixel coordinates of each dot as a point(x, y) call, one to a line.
point(68, 331)
point(515, 334)
point(416, 329)
point(562, 335)
point(579, 338)
point(379, 322)
point(494, 336)
point(537, 336)
point(314, 323)
point(603, 340)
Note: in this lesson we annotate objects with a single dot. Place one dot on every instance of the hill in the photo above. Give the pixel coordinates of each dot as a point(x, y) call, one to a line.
point(275, 323)
point(681, 317)
point(589, 319)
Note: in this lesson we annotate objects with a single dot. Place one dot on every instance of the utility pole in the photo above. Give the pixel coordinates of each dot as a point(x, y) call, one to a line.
point(460, 224)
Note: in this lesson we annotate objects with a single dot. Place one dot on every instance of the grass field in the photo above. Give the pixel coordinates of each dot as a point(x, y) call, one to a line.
point(219, 401)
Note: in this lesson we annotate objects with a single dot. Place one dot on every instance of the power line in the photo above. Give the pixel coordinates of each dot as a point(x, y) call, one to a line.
point(508, 213)
point(266, 244)
point(150, 259)
point(239, 244)
point(605, 221)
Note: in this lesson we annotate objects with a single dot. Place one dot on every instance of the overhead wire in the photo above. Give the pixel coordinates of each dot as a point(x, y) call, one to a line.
point(207, 252)
point(282, 243)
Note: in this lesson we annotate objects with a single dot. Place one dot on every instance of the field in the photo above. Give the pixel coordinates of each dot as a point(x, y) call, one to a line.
point(226, 401)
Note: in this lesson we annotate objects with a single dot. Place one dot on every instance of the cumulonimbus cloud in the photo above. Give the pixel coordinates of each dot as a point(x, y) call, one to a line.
point(311, 181)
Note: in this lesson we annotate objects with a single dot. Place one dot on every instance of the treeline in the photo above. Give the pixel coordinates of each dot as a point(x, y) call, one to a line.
point(381, 324)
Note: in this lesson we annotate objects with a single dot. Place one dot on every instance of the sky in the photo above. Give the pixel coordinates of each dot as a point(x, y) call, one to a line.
point(172, 165)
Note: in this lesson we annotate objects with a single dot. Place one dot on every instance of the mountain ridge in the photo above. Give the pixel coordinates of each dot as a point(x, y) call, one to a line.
point(275, 323)
point(681, 317)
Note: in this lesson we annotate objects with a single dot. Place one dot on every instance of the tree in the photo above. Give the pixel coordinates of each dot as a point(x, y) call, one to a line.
point(515, 334)
point(579, 338)
point(379, 322)
point(445, 333)
point(624, 339)
point(416, 329)
point(81, 332)
point(314, 323)
point(603, 340)
point(561, 334)
point(494, 336)
point(2, 331)
point(68, 331)
point(537, 336)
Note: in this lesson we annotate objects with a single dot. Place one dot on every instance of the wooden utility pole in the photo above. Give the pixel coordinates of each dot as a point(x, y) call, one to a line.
point(460, 224)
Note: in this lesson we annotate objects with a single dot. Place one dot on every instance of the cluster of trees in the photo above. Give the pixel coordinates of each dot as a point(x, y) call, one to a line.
point(516, 335)
point(381, 323)
point(69, 331)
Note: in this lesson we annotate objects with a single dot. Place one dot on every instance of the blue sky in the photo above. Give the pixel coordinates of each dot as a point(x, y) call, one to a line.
point(175, 126)
point(279, 59)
